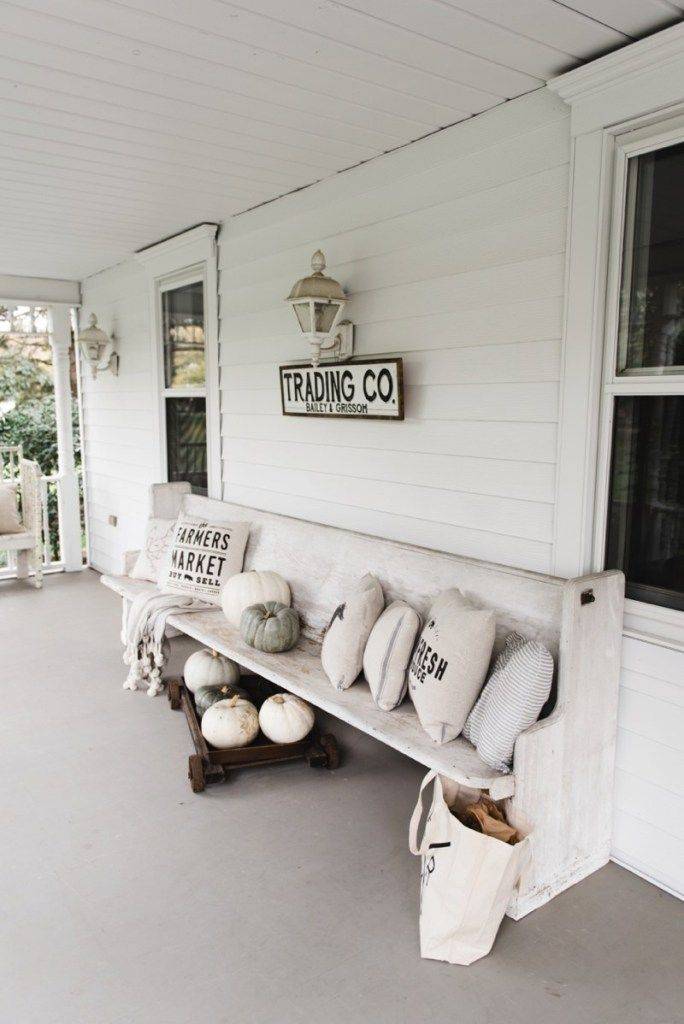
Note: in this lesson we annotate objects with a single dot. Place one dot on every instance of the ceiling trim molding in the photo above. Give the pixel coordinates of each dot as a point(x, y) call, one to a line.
point(39, 290)
point(631, 82)
point(179, 251)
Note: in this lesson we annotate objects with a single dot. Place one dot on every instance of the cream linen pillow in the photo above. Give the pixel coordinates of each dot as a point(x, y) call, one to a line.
point(349, 629)
point(388, 652)
point(449, 664)
point(202, 557)
point(151, 560)
point(9, 513)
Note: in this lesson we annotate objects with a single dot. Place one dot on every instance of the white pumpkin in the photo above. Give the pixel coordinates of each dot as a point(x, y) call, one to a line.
point(209, 668)
point(230, 723)
point(285, 718)
point(248, 588)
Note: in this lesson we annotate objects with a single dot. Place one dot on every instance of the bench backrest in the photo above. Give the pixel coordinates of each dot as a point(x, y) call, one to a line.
point(321, 563)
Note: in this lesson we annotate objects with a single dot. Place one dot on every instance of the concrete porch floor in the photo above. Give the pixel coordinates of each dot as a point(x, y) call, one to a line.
point(286, 895)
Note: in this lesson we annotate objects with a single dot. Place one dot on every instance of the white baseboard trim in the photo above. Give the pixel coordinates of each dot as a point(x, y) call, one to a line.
point(647, 878)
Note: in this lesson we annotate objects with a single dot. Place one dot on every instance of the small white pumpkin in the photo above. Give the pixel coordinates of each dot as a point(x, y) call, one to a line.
point(285, 718)
point(230, 723)
point(209, 668)
point(247, 588)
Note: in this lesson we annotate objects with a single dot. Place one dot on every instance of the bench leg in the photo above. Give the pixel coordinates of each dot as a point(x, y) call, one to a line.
point(37, 561)
point(22, 565)
point(564, 764)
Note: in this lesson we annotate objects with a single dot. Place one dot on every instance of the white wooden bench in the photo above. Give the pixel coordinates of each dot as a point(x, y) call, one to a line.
point(561, 785)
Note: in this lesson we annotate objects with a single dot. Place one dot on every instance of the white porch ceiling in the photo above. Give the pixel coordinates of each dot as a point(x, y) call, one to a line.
point(124, 122)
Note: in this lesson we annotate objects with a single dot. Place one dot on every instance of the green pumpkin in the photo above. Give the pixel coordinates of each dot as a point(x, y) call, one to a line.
point(208, 695)
point(271, 627)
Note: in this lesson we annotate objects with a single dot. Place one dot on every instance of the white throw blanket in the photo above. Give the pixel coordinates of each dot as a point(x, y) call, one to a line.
point(142, 634)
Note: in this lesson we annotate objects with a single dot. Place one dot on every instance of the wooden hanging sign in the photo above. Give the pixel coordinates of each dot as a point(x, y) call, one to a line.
point(372, 390)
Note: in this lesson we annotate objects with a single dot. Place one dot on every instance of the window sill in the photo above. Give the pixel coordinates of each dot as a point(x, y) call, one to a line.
point(654, 625)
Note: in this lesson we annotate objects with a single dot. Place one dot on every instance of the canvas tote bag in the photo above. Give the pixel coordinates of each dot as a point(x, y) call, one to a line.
point(466, 878)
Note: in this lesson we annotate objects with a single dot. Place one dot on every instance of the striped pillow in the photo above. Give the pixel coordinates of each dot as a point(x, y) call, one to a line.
point(511, 700)
point(388, 652)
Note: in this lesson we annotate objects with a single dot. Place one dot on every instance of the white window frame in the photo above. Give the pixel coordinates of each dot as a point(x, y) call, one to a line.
point(186, 259)
point(628, 146)
point(626, 100)
point(167, 284)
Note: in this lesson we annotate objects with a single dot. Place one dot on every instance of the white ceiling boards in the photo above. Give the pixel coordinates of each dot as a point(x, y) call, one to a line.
point(124, 122)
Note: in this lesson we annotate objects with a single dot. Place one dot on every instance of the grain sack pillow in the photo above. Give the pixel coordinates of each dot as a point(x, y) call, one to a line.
point(350, 626)
point(511, 701)
point(202, 557)
point(388, 652)
point(9, 513)
point(151, 560)
point(449, 664)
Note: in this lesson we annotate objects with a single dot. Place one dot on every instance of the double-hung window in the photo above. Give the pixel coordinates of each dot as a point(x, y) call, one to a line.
point(641, 489)
point(184, 387)
point(182, 276)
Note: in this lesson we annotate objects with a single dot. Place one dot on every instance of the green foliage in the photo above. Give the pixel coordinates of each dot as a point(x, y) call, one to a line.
point(25, 371)
point(32, 425)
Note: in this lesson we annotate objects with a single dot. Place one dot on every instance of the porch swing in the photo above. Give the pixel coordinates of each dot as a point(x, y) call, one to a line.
point(24, 545)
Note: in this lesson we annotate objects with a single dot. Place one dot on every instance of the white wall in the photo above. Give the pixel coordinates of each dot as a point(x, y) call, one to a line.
point(648, 832)
point(118, 417)
point(453, 252)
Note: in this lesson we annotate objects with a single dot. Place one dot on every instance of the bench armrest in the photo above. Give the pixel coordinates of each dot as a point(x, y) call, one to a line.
point(129, 560)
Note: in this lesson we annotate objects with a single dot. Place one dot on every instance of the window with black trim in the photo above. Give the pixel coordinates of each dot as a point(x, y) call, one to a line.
point(184, 382)
point(645, 515)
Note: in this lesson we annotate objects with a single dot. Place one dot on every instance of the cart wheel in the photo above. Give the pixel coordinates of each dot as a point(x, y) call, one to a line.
point(332, 751)
point(174, 695)
point(316, 756)
point(196, 773)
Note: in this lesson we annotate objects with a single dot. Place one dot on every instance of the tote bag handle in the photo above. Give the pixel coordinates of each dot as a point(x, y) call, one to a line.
point(423, 811)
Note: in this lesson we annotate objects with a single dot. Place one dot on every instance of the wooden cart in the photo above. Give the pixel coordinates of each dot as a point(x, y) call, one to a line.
point(208, 764)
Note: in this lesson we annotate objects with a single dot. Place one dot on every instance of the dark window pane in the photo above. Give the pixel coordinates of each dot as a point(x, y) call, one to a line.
point(651, 331)
point(646, 506)
point(183, 333)
point(186, 441)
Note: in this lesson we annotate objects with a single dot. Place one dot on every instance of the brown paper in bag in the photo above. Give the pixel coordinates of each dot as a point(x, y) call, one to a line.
point(484, 816)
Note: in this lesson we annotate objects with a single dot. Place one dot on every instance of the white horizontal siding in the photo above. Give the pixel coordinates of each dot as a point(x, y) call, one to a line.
point(118, 424)
point(648, 833)
point(453, 253)
point(455, 263)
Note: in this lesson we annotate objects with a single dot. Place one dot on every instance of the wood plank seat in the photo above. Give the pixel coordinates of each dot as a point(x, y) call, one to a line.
point(300, 672)
point(561, 786)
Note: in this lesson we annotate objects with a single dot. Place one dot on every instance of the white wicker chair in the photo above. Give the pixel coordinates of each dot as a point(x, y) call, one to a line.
point(27, 546)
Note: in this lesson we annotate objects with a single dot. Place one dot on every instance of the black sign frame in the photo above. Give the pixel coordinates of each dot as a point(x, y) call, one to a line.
point(396, 361)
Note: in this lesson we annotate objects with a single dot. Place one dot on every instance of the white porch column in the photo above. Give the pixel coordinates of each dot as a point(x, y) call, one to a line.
point(69, 517)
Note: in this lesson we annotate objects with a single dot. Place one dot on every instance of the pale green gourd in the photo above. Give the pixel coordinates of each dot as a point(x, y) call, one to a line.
point(271, 627)
point(208, 695)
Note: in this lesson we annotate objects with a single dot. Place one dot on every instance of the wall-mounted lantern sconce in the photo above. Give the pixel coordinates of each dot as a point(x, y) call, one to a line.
point(318, 302)
point(97, 348)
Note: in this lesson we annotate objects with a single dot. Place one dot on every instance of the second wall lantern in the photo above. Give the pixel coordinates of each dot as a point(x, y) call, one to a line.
point(97, 348)
point(318, 301)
